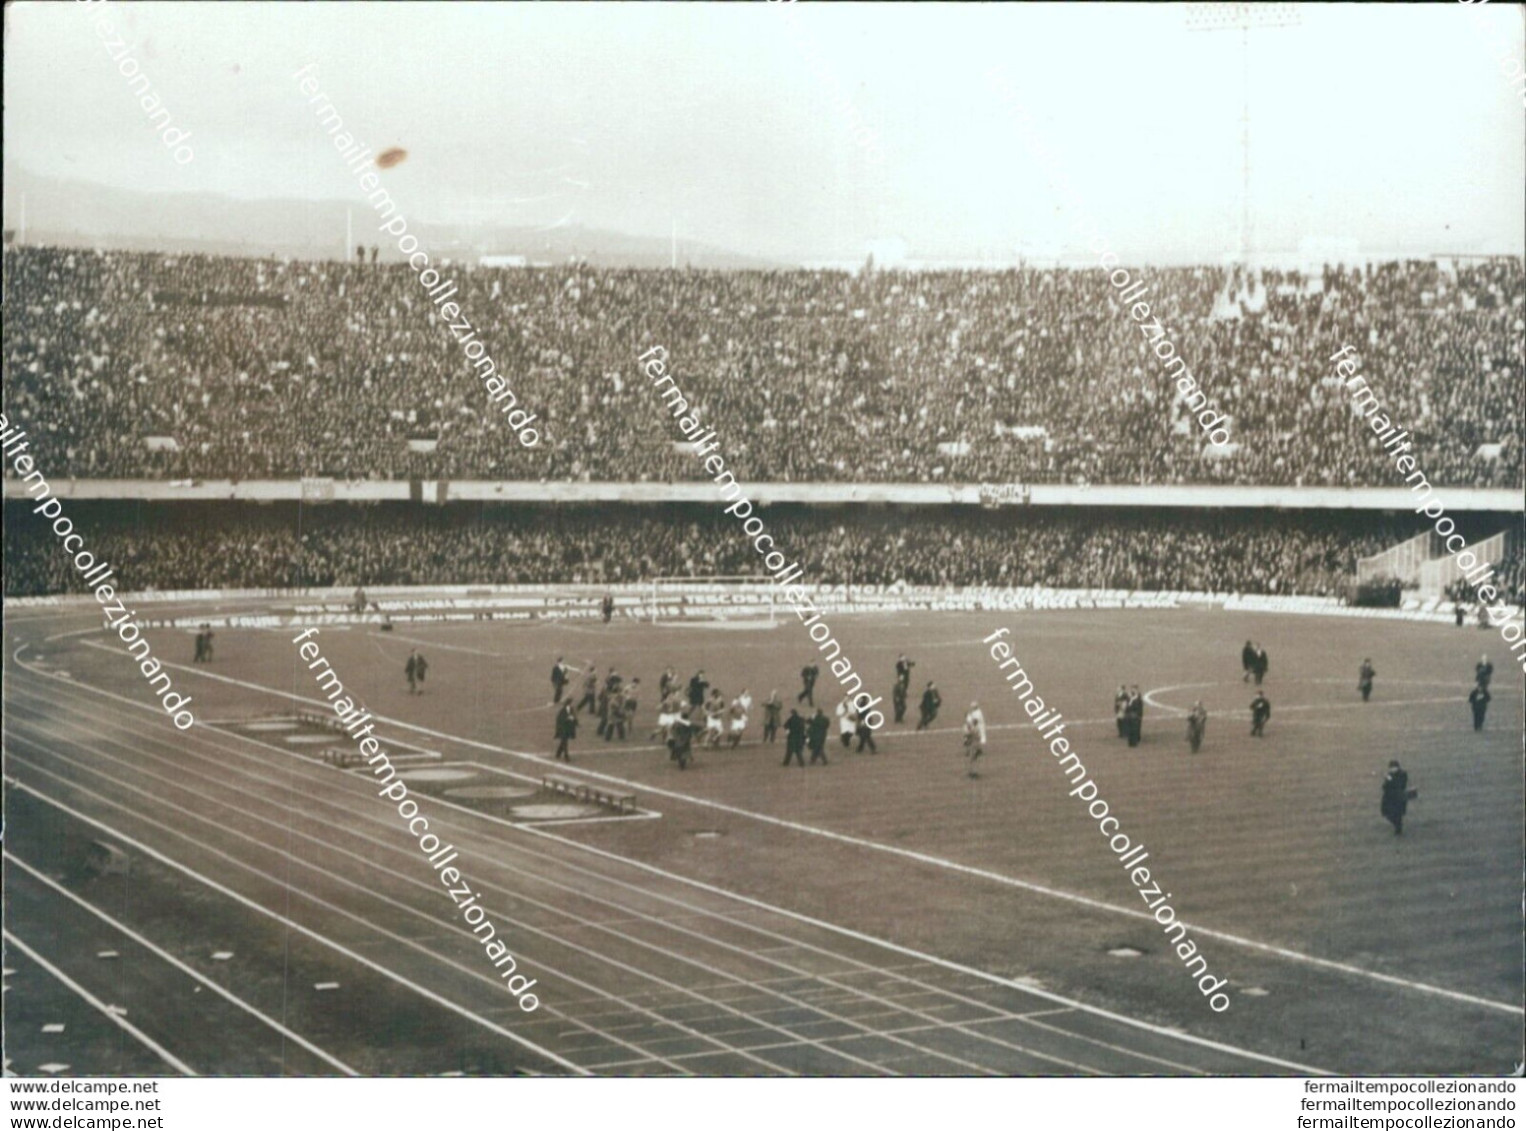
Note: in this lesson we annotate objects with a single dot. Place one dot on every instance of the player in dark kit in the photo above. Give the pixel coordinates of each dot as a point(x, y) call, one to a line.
point(865, 733)
point(602, 710)
point(928, 709)
point(898, 696)
point(1364, 679)
point(628, 710)
point(1260, 711)
point(1133, 717)
point(1478, 699)
point(1396, 797)
point(566, 730)
point(614, 721)
point(794, 738)
point(1483, 671)
point(808, 676)
point(607, 607)
point(772, 708)
point(559, 678)
point(818, 728)
point(697, 688)
point(414, 670)
point(1262, 665)
point(1121, 711)
point(611, 703)
point(1247, 661)
point(590, 689)
point(681, 741)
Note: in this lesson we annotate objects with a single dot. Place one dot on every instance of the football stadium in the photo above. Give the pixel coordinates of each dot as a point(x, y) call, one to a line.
point(347, 733)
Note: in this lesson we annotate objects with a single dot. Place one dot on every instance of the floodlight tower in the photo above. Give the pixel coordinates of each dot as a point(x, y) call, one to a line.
point(1227, 17)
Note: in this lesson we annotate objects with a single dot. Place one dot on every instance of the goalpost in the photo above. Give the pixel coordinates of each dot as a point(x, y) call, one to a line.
point(723, 597)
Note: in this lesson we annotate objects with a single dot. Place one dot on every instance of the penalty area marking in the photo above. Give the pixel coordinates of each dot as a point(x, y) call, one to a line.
point(906, 853)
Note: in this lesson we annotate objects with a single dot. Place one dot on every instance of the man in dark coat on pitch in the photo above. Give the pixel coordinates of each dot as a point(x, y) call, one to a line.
point(1133, 716)
point(818, 734)
point(794, 738)
point(1260, 711)
point(566, 730)
point(1364, 679)
point(1396, 797)
point(808, 677)
point(1478, 699)
point(928, 709)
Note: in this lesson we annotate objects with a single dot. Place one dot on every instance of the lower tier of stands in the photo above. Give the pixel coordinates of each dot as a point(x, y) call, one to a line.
point(185, 546)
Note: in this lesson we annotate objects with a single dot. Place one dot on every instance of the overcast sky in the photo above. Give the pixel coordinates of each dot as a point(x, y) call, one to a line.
point(1393, 126)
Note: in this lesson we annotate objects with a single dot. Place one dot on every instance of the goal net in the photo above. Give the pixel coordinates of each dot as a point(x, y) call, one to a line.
point(735, 600)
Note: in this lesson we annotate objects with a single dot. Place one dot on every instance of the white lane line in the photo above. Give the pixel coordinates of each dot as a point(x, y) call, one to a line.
point(111, 1015)
point(292, 924)
point(919, 958)
point(923, 858)
point(292, 858)
point(606, 926)
point(295, 1038)
point(714, 1003)
point(671, 924)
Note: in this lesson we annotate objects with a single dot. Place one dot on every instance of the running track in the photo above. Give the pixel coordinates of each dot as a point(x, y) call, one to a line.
point(639, 972)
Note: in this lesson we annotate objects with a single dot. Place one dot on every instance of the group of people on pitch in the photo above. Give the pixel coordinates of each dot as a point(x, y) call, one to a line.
point(677, 719)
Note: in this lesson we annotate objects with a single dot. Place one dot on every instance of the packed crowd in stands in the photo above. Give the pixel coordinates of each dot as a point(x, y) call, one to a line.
point(137, 365)
point(283, 546)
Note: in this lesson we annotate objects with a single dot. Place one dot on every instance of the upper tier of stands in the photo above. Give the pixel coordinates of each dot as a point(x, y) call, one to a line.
point(128, 365)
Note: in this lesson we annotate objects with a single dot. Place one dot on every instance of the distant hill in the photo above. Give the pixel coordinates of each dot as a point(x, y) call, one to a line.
point(80, 214)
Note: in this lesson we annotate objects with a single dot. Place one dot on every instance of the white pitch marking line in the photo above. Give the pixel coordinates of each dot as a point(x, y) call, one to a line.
point(796, 944)
point(1023, 985)
point(1179, 712)
point(116, 1019)
point(923, 858)
point(795, 1002)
